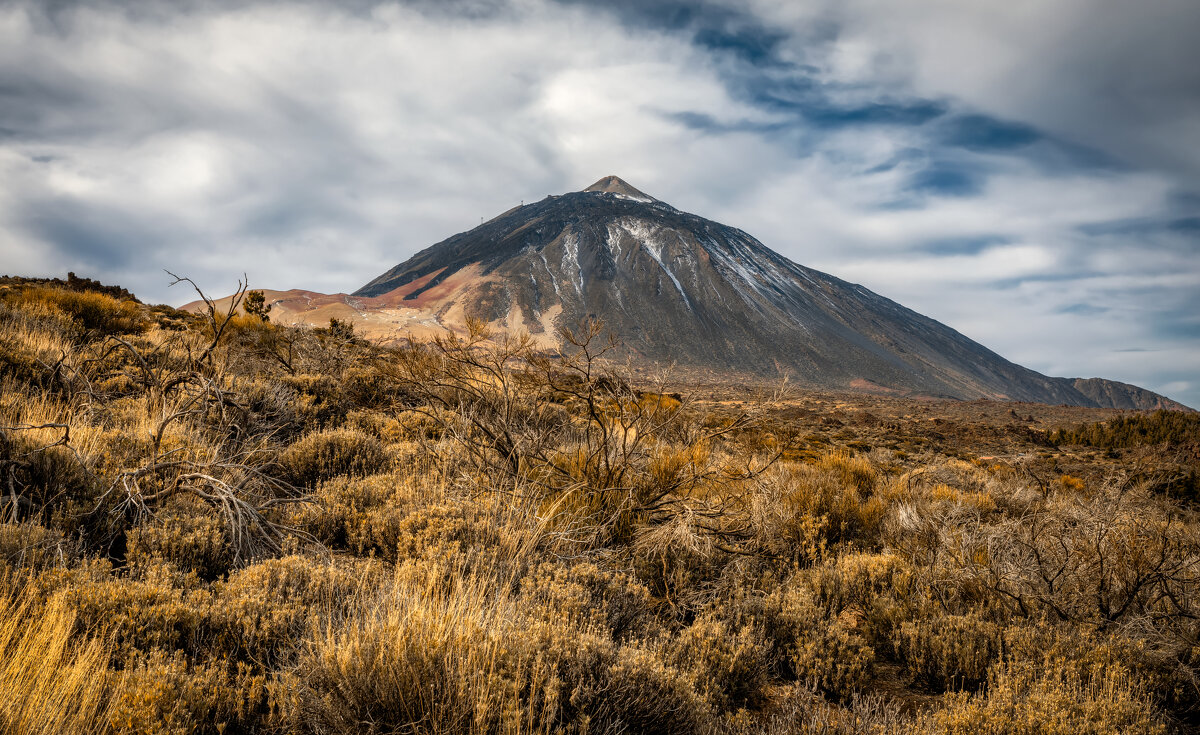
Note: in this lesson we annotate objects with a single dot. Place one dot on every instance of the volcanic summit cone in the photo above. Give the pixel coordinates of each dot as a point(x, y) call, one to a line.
point(679, 289)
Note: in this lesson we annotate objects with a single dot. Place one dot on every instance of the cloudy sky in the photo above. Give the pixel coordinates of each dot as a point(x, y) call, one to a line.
point(1026, 171)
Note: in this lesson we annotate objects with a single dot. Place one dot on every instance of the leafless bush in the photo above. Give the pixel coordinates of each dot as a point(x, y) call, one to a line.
point(568, 426)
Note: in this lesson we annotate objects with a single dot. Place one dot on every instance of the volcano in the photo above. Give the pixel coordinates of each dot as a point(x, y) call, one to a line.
point(676, 288)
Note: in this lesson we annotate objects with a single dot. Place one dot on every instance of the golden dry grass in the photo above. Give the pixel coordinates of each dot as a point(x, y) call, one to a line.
point(52, 682)
point(292, 531)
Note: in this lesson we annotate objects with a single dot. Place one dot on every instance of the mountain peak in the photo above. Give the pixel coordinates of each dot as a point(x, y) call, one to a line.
point(678, 289)
point(617, 185)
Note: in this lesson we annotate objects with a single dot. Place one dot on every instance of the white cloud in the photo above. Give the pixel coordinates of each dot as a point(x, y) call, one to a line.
point(315, 147)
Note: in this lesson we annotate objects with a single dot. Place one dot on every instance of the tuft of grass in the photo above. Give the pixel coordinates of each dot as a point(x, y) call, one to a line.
point(424, 654)
point(51, 682)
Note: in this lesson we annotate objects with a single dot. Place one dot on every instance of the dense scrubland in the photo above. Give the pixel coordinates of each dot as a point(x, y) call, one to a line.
point(212, 523)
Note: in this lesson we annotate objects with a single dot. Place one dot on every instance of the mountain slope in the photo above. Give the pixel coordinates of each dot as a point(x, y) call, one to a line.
point(677, 288)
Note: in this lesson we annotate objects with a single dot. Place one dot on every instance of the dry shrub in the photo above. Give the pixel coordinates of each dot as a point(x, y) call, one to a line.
point(165, 694)
point(858, 580)
point(91, 311)
point(51, 682)
point(435, 531)
point(463, 658)
point(1056, 685)
point(338, 504)
point(372, 389)
point(839, 490)
point(377, 424)
point(48, 480)
point(676, 560)
point(193, 543)
point(139, 615)
point(851, 471)
point(318, 399)
point(332, 453)
point(799, 710)
point(728, 667)
point(611, 600)
point(803, 640)
point(265, 608)
point(981, 503)
point(423, 424)
point(1069, 484)
point(272, 408)
point(35, 335)
point(834, 659)
point(874, 591)
point(1119, 560)
point(566, 427)
point(782, 530)
point(953, 486)
point(246, 328)
point(432, 660)
point(396, 517)
point(949, 652)
point(640, 693)
point(29, 546)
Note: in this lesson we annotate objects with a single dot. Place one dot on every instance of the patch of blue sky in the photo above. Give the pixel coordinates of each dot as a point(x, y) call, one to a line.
point(962, 245)
point(983, 133)
point(1082, 309)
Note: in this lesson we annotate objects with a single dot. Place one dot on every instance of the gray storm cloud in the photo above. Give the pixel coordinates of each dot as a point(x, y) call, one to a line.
point(1026, 173)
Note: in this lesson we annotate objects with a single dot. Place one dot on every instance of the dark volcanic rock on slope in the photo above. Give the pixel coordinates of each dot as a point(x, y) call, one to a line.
point(677, 288)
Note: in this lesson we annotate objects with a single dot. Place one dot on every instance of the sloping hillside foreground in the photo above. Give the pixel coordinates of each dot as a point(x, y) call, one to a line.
point(216, 524)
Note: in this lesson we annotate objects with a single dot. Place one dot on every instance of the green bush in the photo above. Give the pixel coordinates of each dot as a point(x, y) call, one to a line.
point(1123, 432)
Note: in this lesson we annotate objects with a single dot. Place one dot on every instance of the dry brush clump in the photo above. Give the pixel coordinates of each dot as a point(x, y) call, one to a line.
point(216, 523)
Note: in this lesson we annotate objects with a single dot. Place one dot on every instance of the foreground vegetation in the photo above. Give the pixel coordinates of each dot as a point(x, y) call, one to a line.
point(217, 524)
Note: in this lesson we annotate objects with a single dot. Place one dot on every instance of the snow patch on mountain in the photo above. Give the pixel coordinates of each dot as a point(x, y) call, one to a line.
point(570, 260)
point(653, 248)
point(553, 279)
point(649, 237)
